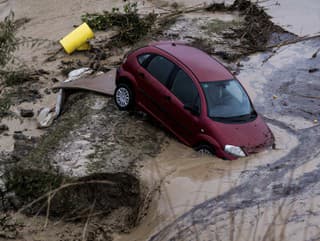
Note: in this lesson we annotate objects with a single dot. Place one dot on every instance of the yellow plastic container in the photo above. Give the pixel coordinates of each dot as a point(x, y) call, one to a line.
point(77, 38)
point(84, 47)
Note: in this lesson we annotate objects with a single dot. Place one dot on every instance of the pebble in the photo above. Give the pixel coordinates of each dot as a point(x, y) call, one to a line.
point(47, 91)
point(55, 80)
point(3, 128)
point(26, 113)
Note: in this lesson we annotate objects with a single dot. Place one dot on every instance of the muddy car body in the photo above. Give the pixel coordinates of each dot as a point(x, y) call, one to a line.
point(194, 96)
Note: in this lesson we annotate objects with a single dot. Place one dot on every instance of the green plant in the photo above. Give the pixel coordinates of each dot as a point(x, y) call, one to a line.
point(8, 41)
point(5, 103)
point(17, 77)
point(132, 27)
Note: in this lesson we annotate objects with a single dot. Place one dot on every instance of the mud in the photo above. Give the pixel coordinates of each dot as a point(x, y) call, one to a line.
point(285, 12)
point(69, 198)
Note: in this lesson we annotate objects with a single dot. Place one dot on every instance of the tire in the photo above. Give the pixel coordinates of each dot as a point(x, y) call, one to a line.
point(123, 97)
point(205, 149)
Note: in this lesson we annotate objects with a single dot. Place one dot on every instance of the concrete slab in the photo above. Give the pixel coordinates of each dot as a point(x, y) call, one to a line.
point(103, 83)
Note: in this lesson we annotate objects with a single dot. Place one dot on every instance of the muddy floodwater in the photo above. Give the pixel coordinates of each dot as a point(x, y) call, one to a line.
point(195, 190)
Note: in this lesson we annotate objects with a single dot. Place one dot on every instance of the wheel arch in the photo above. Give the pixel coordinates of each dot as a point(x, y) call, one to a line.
point(127, 78)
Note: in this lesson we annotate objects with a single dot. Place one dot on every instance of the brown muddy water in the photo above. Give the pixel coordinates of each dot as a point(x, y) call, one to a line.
point(184, 179)
point(268, 195)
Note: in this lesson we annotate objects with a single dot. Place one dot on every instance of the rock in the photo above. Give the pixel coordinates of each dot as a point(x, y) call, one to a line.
point(18, 135)
point(47, 91)
point(45, 117)
point(55, 91)
point(313, 70)
point(22, 145)
point(3, 128)
point(55, 80)
point(43, 72)
point(26, 113)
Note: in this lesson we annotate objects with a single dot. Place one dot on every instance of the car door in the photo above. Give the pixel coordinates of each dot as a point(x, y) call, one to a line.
point(184, 106)
point(153, 78)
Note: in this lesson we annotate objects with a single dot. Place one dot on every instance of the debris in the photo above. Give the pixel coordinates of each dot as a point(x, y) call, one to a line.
point(8, 41)
point(275, 97)
point(103, 83)
point(47, 91)
point(315, 121)
point(315, 54)
point(3, 128)
point(308, 96)
point(45, 117)
point(313, 70)
point(216, 7)
point(75, 74)
point(132, 27)
point(19, 76)
point(293, 41)
point(22, 145)
point(55, 80)
point(8, 227)
point(26, 113)
point(17, 135)
point(77, 39)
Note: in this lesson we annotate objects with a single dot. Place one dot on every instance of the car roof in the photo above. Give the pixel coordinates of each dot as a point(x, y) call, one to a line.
point(204, 67)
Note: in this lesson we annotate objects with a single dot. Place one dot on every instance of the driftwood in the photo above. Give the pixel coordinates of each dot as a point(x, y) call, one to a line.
point(293, 41)
point(315, 54)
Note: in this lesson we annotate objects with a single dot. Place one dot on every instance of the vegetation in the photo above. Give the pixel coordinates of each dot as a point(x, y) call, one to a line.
point(8, 41)
point(30, 184)
point(5, 103)
point(132, 27)
point(11, 76)
point(217, 26)
point(17, 77)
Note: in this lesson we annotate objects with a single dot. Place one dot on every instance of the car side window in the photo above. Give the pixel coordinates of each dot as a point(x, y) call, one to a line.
point(160, 68)
point(185, 90)
point(142, 58)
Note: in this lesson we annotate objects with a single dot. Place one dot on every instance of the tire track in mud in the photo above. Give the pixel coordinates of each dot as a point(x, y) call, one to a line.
point(251, 192)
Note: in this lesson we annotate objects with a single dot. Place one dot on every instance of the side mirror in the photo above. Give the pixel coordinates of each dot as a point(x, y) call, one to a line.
point(193, 109)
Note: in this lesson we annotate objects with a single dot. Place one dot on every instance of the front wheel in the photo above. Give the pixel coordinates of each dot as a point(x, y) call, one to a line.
point(123, 97)
point(205, 149)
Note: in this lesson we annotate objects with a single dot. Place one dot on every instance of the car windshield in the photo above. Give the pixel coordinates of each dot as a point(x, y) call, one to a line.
point(227, 100)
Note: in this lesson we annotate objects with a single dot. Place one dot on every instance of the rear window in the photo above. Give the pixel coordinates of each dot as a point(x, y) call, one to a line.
point(142, 58)
point(184, 89)
point(160, 68)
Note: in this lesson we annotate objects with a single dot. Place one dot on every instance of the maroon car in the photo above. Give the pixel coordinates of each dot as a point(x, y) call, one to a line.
point(194, 96)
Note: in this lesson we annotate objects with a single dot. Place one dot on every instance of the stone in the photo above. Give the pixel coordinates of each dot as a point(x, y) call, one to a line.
point(3, 128)
point(26, 113)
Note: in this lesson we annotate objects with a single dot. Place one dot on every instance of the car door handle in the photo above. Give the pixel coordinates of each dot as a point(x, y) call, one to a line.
point(167, 97)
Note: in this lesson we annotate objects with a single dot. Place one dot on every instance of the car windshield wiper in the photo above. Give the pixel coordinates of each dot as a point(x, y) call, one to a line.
point(245, 117)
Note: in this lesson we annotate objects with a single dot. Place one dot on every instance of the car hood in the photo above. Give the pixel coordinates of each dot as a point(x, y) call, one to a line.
point(251, 136)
